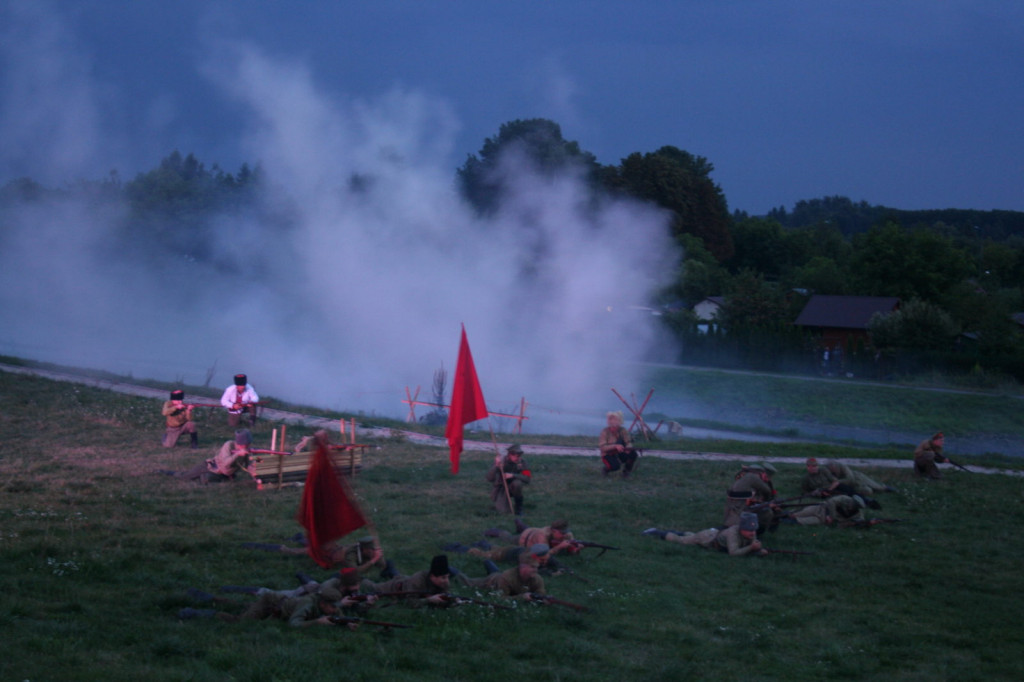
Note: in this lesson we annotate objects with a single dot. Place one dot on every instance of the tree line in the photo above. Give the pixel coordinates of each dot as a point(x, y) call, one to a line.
point(959, 273)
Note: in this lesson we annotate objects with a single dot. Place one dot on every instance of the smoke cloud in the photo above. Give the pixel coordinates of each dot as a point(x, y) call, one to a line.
point(364, 291)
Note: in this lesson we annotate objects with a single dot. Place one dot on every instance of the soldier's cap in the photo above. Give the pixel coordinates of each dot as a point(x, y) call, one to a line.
point(938, 436)
point(860, 501)
point(329, 593)
point(178, 395)
point(561, 525)
point(349, 576)
point(241, 380)
point(768, 467)
point(811, 461)
point(243, 437)
point(748, 521)
point(368, 540)
point(439, 565)
point(515, 449)
point(539, 549)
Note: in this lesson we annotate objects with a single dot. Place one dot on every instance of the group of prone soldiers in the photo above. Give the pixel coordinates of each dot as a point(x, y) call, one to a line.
point(752, 506)
point(347, 596)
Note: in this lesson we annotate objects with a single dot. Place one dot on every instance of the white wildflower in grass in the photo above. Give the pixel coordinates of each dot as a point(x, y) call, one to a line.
point(61, 567)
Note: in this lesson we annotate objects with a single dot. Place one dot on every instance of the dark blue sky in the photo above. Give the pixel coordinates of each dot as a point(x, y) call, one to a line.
point(908, 104)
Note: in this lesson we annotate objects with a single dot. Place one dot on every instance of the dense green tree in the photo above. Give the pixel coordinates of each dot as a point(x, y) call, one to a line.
point(891, 261)
point(762, 246)
point(753, 303)
point(821, 275)
point(535, 144)
point(680, 182)
point(699, 276)
point(916, 325)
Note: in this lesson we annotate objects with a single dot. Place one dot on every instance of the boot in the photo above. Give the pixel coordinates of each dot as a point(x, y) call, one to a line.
point(481, 544)
point(491, 567)
point(519, 506)
point(262, 545)
point(655, 532)
point(189, 613)
point(520, 524)
point(199, 595)
point(304, 578)
point(194, 437)
point(240, 589)
point(389, 570)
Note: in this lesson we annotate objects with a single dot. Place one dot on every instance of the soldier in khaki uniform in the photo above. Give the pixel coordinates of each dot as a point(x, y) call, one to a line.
point(817, 479)
point(752, 485)
point(520, 581)
point(510, 471)
point(928, 455)
point(738, 540)
point(846, 510)
point(179, 420)
point(856, 482)
point(616, 447)
point(432, 584)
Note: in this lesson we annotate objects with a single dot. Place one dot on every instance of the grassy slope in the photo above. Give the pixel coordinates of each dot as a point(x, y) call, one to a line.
point(96, 553)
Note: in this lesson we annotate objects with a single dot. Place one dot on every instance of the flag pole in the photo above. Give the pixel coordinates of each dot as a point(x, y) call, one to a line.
point(501, 467)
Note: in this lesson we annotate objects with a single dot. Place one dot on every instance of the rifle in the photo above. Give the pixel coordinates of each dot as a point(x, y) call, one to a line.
point(190, 405)
point(548, 599)
point(256, 451)
point(787, 551)
point(763, 505)
point(449, 598)
point(958, 465)
point(583, 544)
point(556, 567)
point(867, 523)
point(348, 620)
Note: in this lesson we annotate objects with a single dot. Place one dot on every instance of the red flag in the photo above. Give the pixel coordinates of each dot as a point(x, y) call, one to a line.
point(467, 402)
point(327, 510)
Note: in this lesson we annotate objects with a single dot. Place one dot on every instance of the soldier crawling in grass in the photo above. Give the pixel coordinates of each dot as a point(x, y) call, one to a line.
point(425, 588)
point(737, 540)
point(298, 611)
point(519, 582)
point(232, 457)
point(557, 537)
point(843, 510)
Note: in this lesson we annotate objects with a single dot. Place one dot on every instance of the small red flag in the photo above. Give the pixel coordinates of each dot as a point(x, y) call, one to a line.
point(467, 402)
point(327, 510)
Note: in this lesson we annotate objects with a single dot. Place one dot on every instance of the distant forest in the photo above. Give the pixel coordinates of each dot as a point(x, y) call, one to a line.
point(958, 272)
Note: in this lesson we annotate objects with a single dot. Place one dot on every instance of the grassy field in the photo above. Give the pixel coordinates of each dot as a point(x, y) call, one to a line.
point(794, 404)
point(97, 552)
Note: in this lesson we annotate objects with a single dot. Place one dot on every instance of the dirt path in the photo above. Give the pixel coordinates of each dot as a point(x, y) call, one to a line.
point(314, 421)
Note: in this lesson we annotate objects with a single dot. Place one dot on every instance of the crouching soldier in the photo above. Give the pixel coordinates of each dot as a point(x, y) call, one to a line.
point(179, 420)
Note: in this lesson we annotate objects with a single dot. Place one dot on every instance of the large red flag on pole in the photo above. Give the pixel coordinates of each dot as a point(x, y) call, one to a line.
point(327, 510)
point(467, 402)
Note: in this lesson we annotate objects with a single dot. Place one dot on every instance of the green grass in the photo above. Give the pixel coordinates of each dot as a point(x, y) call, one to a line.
point(96, 553)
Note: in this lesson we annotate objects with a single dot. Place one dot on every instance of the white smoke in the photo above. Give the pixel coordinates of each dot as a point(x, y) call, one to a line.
point(364, 294)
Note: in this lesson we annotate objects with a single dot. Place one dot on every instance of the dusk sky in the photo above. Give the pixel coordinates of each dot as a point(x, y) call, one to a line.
point(906, 104)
